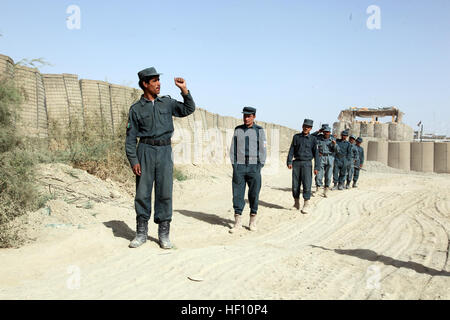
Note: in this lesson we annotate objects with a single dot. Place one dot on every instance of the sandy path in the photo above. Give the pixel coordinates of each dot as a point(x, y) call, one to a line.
point(388, 239)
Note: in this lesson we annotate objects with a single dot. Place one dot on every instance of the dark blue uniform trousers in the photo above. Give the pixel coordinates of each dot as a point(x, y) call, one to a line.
point(301, 175)
point(244, 174)
point(156, 167)
point(350, 171)
point(339, 170)
point(356, 174)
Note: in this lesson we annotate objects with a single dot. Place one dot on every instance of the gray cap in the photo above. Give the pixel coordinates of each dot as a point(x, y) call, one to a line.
point(359, 139)
point(308, 122)
point(249, 110)
point(326, 128)
point(325, 125)
point(353, 137)
point(344, 133)
point(149, 72)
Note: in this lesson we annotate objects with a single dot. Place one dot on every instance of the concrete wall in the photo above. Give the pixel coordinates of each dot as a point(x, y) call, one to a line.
point(442, 157)
point(399, 155)
point(422, 156)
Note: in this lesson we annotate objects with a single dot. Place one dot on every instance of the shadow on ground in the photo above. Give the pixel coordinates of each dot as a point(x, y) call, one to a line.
point(371, 255)
point(267, 204)
point(282, 189)
point(121, 230)
point(207, 217)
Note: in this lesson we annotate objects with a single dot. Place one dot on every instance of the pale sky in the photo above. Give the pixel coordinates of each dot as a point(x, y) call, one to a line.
point(289, 59)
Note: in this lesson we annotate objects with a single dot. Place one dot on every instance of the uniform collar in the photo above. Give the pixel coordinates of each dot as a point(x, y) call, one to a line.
point(144, 100)
point(303, 135)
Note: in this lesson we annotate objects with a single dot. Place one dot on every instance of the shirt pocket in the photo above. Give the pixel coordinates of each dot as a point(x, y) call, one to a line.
point(145, 120)
point(306, 146)
point(165, 112)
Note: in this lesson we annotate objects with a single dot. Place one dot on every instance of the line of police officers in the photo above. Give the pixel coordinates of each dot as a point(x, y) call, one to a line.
point(150, 120)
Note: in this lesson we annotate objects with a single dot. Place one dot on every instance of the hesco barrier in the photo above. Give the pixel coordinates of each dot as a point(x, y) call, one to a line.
point(367, 129)
point(365, 145)
point(32, 114)
point(338, 127)
point(355, 128)
point(6, 67)
point(63, 99)
point(442, 157)
point(378, 151)
point(399, 155)
point(422, 156)
point(381, 131)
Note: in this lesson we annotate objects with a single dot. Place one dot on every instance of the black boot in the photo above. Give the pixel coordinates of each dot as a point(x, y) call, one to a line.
point(141, 233)
point(163, 235)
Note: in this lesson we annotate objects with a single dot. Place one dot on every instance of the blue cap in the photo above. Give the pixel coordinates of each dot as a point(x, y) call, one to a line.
point(359, 139)
point(344, 133)
point(249, 110)
point(308, 122)
point(149, 72)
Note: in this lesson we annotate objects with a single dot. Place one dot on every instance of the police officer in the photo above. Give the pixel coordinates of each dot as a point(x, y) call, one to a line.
point(343, 155)
point(303, 149)
point(318, 134)
point(352, 161)
point(327, 148)
point(247, 155)
point(359, 161)
point(150, 119)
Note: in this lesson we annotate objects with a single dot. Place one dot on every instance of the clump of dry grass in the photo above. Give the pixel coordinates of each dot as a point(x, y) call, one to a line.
point(17, 185)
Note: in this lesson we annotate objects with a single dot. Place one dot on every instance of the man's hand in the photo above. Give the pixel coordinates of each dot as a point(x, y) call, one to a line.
point(137, 169)
point(333, 141)
point(315, 172)
point(289, 166)
point(181, 83)
point(360, 166)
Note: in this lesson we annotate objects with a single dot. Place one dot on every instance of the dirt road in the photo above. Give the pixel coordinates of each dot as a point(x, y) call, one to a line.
point(387, 239)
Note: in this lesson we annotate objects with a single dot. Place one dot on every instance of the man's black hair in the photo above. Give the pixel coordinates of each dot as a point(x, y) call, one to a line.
point(146, 80)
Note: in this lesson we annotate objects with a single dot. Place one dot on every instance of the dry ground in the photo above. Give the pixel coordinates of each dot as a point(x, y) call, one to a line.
point(387, 239)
